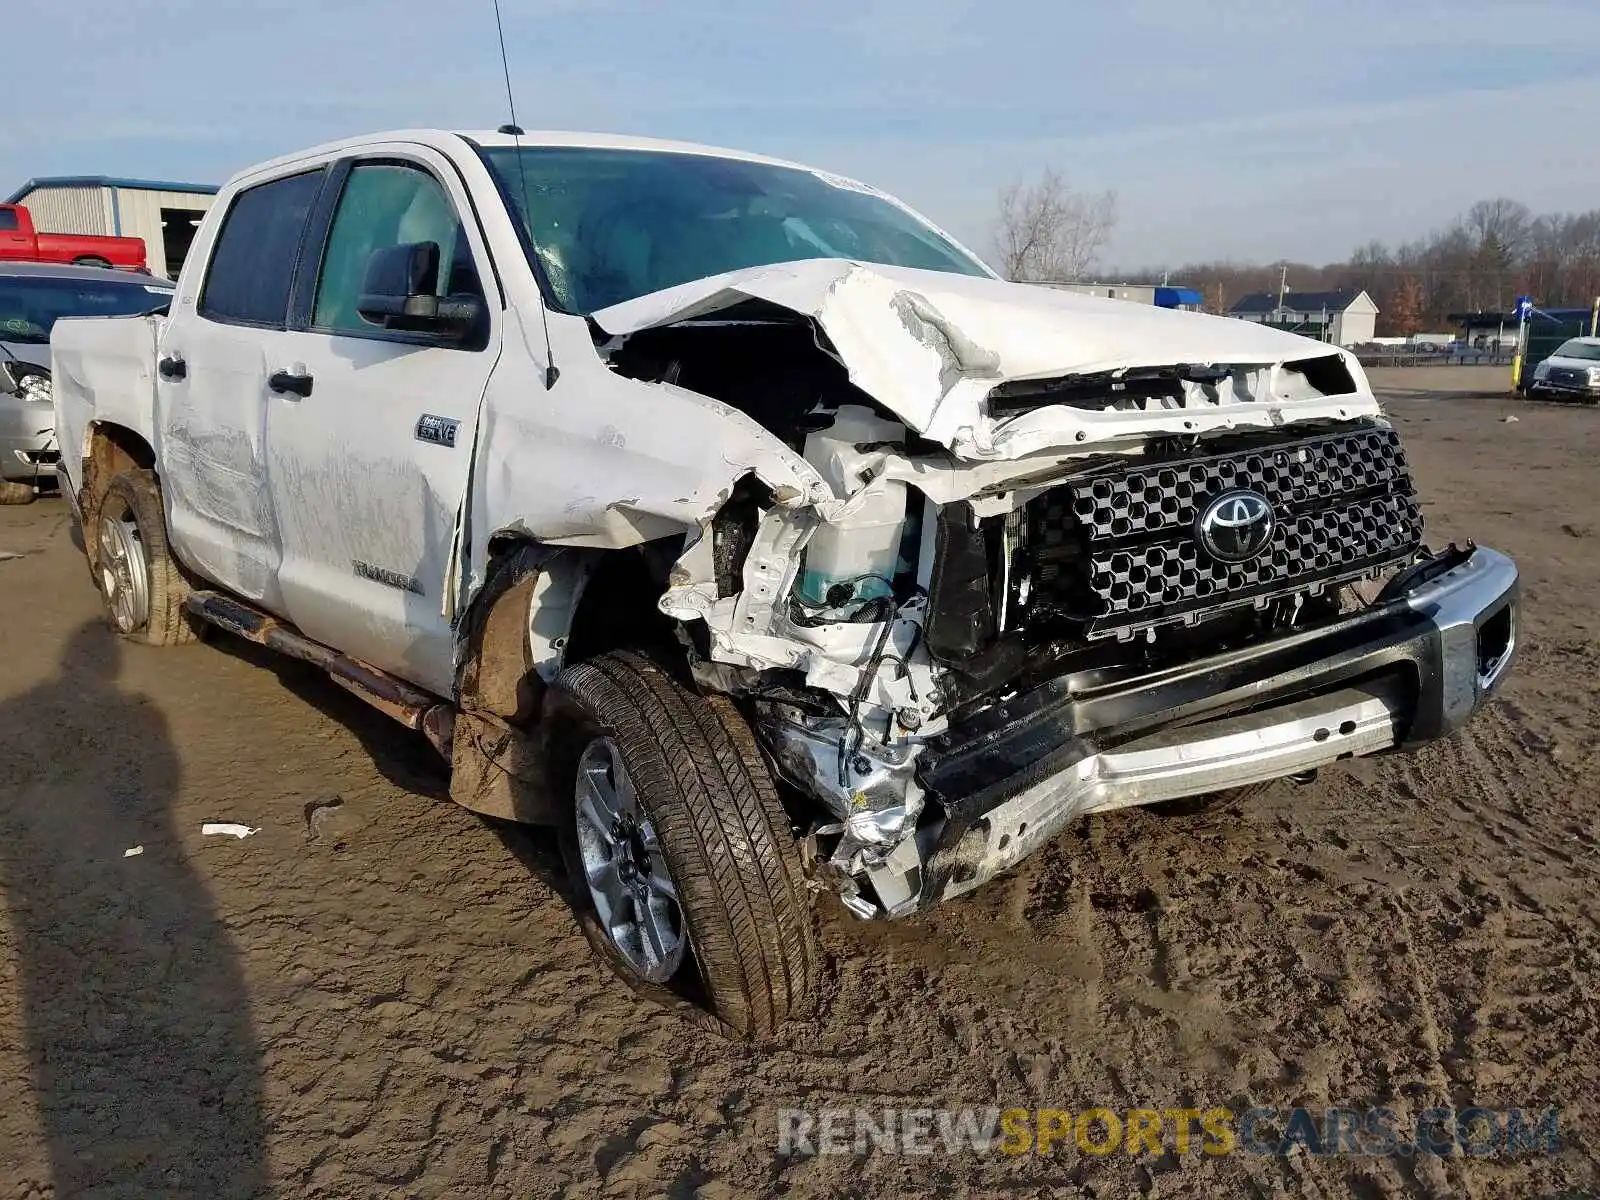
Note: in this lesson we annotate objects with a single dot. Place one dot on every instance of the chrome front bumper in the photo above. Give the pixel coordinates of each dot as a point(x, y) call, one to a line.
point(1424, 661)
point(1562, 392)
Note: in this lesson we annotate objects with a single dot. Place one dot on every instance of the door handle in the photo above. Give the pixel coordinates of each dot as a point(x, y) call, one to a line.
point(294, 385)
point(173, 368)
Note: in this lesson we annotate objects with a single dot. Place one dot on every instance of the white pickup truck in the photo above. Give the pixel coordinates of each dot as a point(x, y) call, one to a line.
point(734, 520)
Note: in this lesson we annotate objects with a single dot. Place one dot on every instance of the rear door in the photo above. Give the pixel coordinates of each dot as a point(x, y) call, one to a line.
point(369, 462)
point(212, 396)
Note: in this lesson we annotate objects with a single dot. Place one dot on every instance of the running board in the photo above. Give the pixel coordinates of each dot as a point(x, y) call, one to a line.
point(411, 706)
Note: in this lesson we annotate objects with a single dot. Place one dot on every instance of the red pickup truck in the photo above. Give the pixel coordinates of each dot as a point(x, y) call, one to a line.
point(20, 242)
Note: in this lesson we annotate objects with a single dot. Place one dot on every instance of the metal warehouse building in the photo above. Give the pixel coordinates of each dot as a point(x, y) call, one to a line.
point(163, 214)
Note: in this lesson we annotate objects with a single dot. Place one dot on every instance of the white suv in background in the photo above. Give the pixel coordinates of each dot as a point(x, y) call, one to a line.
point(1571, 373)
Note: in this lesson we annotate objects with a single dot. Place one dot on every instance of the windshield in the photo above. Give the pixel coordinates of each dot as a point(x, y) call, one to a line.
point(1588, 350)
point(30, 307)
point(610, 225)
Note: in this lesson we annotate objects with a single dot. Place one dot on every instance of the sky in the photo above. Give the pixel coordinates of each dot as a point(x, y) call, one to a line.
point(1251, 130)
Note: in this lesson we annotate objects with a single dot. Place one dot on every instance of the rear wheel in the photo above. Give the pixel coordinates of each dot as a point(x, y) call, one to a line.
point(140, 582)
point(684, 876)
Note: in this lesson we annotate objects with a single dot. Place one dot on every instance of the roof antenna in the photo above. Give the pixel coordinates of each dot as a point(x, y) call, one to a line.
point(511, 101)
point(516, 131)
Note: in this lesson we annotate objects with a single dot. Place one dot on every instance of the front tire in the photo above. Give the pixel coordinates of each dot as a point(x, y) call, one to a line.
point(139, 580)
point(684, 876)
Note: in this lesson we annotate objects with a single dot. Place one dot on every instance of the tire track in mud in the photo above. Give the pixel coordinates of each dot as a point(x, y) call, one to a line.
point(1492, 952)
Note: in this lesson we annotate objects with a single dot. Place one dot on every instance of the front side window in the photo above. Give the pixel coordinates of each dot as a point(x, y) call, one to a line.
point(247, 282)
point(386, 205)
point(8, 220)
point(1584, 350)
point(610, 225)
point(30, 306)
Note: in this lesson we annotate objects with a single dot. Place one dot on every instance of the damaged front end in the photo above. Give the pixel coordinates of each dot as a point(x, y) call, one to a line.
point(1046, 584)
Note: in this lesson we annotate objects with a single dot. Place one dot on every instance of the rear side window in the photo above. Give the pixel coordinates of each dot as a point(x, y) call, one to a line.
point(253, 264)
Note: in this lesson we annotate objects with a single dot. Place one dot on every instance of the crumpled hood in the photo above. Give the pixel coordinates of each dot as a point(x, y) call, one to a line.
point(929, 346)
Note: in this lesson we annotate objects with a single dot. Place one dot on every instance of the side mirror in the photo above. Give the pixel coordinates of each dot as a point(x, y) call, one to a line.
point(401, 292)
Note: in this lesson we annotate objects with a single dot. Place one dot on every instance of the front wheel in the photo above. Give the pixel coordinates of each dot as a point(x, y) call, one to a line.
point(684, 877)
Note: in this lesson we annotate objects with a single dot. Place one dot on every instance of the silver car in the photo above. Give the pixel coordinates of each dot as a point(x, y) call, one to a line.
point(33, 296)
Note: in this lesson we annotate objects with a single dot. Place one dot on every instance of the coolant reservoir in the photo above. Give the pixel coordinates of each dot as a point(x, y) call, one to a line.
point(854, 559)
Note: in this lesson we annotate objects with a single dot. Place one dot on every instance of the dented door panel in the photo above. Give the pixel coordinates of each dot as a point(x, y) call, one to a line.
point(211, 431)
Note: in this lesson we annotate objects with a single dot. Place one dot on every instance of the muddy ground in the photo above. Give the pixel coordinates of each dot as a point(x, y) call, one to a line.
point(379, 994)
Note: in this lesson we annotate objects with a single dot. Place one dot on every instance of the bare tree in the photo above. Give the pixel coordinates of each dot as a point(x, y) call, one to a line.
point(1501, 225)
point(1045, 231)
point(1481, 260)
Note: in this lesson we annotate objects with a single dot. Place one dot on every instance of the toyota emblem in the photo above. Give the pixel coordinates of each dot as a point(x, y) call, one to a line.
point(1236, 526)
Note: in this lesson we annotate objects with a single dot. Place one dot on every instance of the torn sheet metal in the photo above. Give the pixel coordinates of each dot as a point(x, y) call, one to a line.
point(930, 346)
point(103, 371)
point(620, 462)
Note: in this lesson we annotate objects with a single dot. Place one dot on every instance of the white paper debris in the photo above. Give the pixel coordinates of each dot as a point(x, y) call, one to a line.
point(226, 829)
point(133, 852)
point(6, 554)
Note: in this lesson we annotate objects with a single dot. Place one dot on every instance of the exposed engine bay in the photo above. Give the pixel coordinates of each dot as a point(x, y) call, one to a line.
point(880, 646)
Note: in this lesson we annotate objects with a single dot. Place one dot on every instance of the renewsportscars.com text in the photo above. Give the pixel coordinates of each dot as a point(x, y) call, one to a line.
point(1212, 1131)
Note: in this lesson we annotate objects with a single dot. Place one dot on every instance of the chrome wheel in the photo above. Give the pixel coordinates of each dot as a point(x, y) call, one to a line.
point(633, 892)
point(124, 574)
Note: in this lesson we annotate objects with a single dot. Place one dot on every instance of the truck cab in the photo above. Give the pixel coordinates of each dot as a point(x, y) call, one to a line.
point(732, 519)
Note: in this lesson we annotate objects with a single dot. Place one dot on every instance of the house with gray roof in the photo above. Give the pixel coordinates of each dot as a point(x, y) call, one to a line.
point(1345, 318)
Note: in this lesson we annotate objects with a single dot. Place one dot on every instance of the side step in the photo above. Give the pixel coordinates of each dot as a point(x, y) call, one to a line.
point(411, 706)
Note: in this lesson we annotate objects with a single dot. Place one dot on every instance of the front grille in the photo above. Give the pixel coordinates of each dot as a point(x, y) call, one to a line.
point(1567, 377)
point(1118, 551)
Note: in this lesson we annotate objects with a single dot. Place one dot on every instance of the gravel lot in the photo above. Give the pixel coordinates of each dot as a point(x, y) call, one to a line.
point(379, 994)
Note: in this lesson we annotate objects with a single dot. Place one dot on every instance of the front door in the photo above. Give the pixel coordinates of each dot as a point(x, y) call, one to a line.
point(370, 431)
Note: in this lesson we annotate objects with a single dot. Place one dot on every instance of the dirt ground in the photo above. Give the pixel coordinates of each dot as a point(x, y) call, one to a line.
point(381, 995)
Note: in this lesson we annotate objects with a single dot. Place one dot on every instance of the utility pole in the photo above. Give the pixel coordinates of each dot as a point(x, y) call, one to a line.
point(1283, 286)
point(1524, 309)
